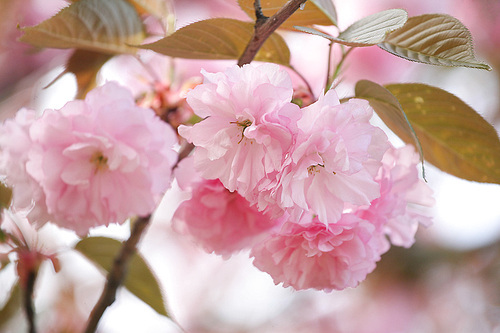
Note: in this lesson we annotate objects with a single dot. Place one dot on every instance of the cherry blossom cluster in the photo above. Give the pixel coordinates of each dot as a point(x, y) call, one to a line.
point(317, 193)
point(93, 162)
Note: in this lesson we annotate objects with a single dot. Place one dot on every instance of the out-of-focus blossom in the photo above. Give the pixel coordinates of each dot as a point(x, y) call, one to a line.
point(15, 143)
point(18, 60)
point(245, 134)
point(334, 160)
point(310, 254)
point(98, 161)
point(218, 220)
point(170, 104)
point(402, 194)
point(21, 237)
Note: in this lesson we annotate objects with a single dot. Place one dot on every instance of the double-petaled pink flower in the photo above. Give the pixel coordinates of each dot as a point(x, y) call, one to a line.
point(334, 160)
point(324, 170)
point(310, 254)
point(403, 199)
point(218, 220)
point(247, 126)
point(97, 161)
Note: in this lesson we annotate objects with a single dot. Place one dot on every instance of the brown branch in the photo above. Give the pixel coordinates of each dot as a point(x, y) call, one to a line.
point(28, 300)
point(117, 273)
point(265, 26)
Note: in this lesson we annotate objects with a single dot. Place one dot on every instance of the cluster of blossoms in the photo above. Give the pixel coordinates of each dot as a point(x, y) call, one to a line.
point(93, 162)
point(317, 193)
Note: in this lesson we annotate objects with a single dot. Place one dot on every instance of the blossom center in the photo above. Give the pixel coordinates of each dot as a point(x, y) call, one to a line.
point(100, 161)
point(313, 169)
point(243, 124)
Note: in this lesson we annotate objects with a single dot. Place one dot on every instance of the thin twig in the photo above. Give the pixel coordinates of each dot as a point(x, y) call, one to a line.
point(339, 66)
point(308, 86)
point(184, 152)
point(264, 27)
point(258, 11)
point(329, 78)
point(28, 300)
point(117, 273)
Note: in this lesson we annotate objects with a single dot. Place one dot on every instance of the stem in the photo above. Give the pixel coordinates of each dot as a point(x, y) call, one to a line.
point(339, 65)
point(258, 11)
point(329, 79)
point(265, 26)
point(185, 151)
point(117, 273)
point(303, 79)
point(28, 301)
point(148, 69)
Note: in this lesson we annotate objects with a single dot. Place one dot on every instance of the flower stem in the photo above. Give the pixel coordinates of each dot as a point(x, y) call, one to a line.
point(28, 300)
point(265, 26)
point(117, 273)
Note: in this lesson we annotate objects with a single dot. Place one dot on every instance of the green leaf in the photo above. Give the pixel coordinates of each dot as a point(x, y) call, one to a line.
point(5, 196)
point(435, 39)
point(387, 106)
point(454, 137)
point(12, 307)
point(368, 31)
point(140, 280)
point(102, 26)
point(373, 29)
point(3, 237)
point(219, 39)
point(84, 65)
point(320, 12)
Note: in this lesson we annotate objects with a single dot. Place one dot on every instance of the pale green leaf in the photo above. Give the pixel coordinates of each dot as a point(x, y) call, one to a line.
point(368, 31)
point(373, 29)
point(454, 137)
point(435, 39)
point(219, 39)
point(5, 196)
point(328, 8)
point(139, 280)
point(320, 12)
point(313, 31)
point(102, 26)
point(390, 111)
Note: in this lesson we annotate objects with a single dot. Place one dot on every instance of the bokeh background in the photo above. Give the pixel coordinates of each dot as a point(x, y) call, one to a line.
point(449, 281)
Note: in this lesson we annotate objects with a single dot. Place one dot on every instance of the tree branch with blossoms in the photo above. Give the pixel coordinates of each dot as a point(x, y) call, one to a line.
point(309, 186)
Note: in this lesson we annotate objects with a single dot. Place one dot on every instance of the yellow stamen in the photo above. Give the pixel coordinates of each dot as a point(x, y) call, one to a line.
point(100, 161)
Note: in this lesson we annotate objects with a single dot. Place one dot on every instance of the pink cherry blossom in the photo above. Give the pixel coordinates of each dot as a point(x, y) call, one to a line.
point(218, 220)
point(247, 128)
point(334, 160)
point(101, 160)
point(15, 143)
point(403, 197)
point(311, 254)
